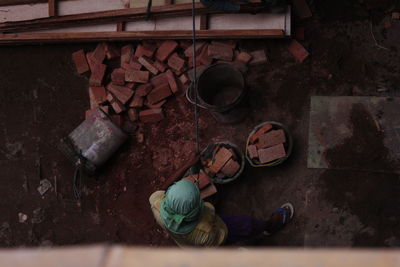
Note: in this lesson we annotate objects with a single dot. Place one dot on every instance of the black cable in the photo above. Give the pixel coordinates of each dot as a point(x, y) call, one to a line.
point(196, 115)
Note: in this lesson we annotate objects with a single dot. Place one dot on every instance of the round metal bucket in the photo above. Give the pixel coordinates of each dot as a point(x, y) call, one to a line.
point(220, 89)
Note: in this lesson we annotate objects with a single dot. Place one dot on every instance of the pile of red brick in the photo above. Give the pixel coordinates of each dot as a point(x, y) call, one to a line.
point(266, 145)
point(207, 188)
point(224, 163)
point(150, 73)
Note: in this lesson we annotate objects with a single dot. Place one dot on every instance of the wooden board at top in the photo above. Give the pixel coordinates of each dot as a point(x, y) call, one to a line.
point(143, 3)
point(21, 2)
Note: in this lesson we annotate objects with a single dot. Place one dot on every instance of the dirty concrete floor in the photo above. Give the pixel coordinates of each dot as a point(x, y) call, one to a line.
point(43, 99)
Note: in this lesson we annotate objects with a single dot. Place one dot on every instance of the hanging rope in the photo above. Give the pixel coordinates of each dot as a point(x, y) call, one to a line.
point(194, 81)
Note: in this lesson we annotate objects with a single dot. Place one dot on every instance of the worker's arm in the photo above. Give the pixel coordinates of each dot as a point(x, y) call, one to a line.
point(180, 172)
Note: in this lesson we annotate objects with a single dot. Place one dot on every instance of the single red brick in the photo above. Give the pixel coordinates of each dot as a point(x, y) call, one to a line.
point(201, 179)
point(172, 82)
point(220, 52)
point(146, 50)
point(116, 119)
point(231, 43)
point(189, 51)
point(118, 76)
point(176, 62)
point(99, 54)
point(160, 66)
point(159, 79)
point(271, 138)
point(97, 76)
point(252, 151)
point(133, 114)
point(97, 96)
point(166, 49)
point(272, 153)
point(221, 158)
point(259, 57)
point(133, 64)
point(151, 115)
point(148, 64)
point(136, 102)
point(262, 130)
point(299, 33)
point(144, 89)
point(156, 105)
point(208, 191)
point(184, 79)
point(199, 69)
point(126, 54)
point(159, 93)
point(231, 168)
point(136, 76)
point(298, 51)
point(122, 93)
point(90, 62)
point(112, 52)
point(80, 61)
point(117, 106)
point(130, 85)
point(204, 58)
point(302, 9)
point(244, 57)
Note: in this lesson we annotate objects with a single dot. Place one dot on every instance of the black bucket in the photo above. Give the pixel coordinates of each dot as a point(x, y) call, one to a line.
point(221, 89)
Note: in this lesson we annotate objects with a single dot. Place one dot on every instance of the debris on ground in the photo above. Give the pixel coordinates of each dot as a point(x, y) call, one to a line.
point(44, 186)
point(22, 217)
point(396, 15)
point(267, 145)
point(220, 161)
point(38, 216)
point(138, 86)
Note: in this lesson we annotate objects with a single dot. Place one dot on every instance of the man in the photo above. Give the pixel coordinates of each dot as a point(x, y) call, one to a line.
point(192, 222)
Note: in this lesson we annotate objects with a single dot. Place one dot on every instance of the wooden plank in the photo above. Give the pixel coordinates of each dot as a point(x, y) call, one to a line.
point(21, 2)
point(204, 22)
point(38, 38)
point(130, 14)
point(52, 8)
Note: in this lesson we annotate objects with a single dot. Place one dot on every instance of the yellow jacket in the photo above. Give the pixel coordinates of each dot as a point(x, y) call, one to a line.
point(210, 231)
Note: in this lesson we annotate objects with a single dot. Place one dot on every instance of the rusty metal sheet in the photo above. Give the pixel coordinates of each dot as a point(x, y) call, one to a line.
point(355, 133)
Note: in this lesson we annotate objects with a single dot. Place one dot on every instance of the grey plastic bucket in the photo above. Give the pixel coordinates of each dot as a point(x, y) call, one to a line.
point(240, 156)
point(93, 142)
point(288, 145)
point(220, 89)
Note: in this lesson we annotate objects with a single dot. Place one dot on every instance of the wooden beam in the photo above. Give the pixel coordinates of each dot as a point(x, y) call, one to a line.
point(80, 37)
point(129, 14)
point(21, 2)
point(52, 8)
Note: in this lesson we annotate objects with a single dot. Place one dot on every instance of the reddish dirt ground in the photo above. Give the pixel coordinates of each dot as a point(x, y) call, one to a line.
point(43, 99)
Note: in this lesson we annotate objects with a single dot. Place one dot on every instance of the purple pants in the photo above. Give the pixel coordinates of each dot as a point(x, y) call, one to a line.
point(243, 227)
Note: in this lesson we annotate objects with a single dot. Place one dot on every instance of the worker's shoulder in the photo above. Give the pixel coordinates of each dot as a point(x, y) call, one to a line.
point(158, 195)
point(209, 207)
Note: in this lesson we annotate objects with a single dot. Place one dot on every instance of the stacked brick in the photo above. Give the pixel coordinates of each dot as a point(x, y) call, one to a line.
point(267, 145)
point(222, 164)
point(137, 87)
